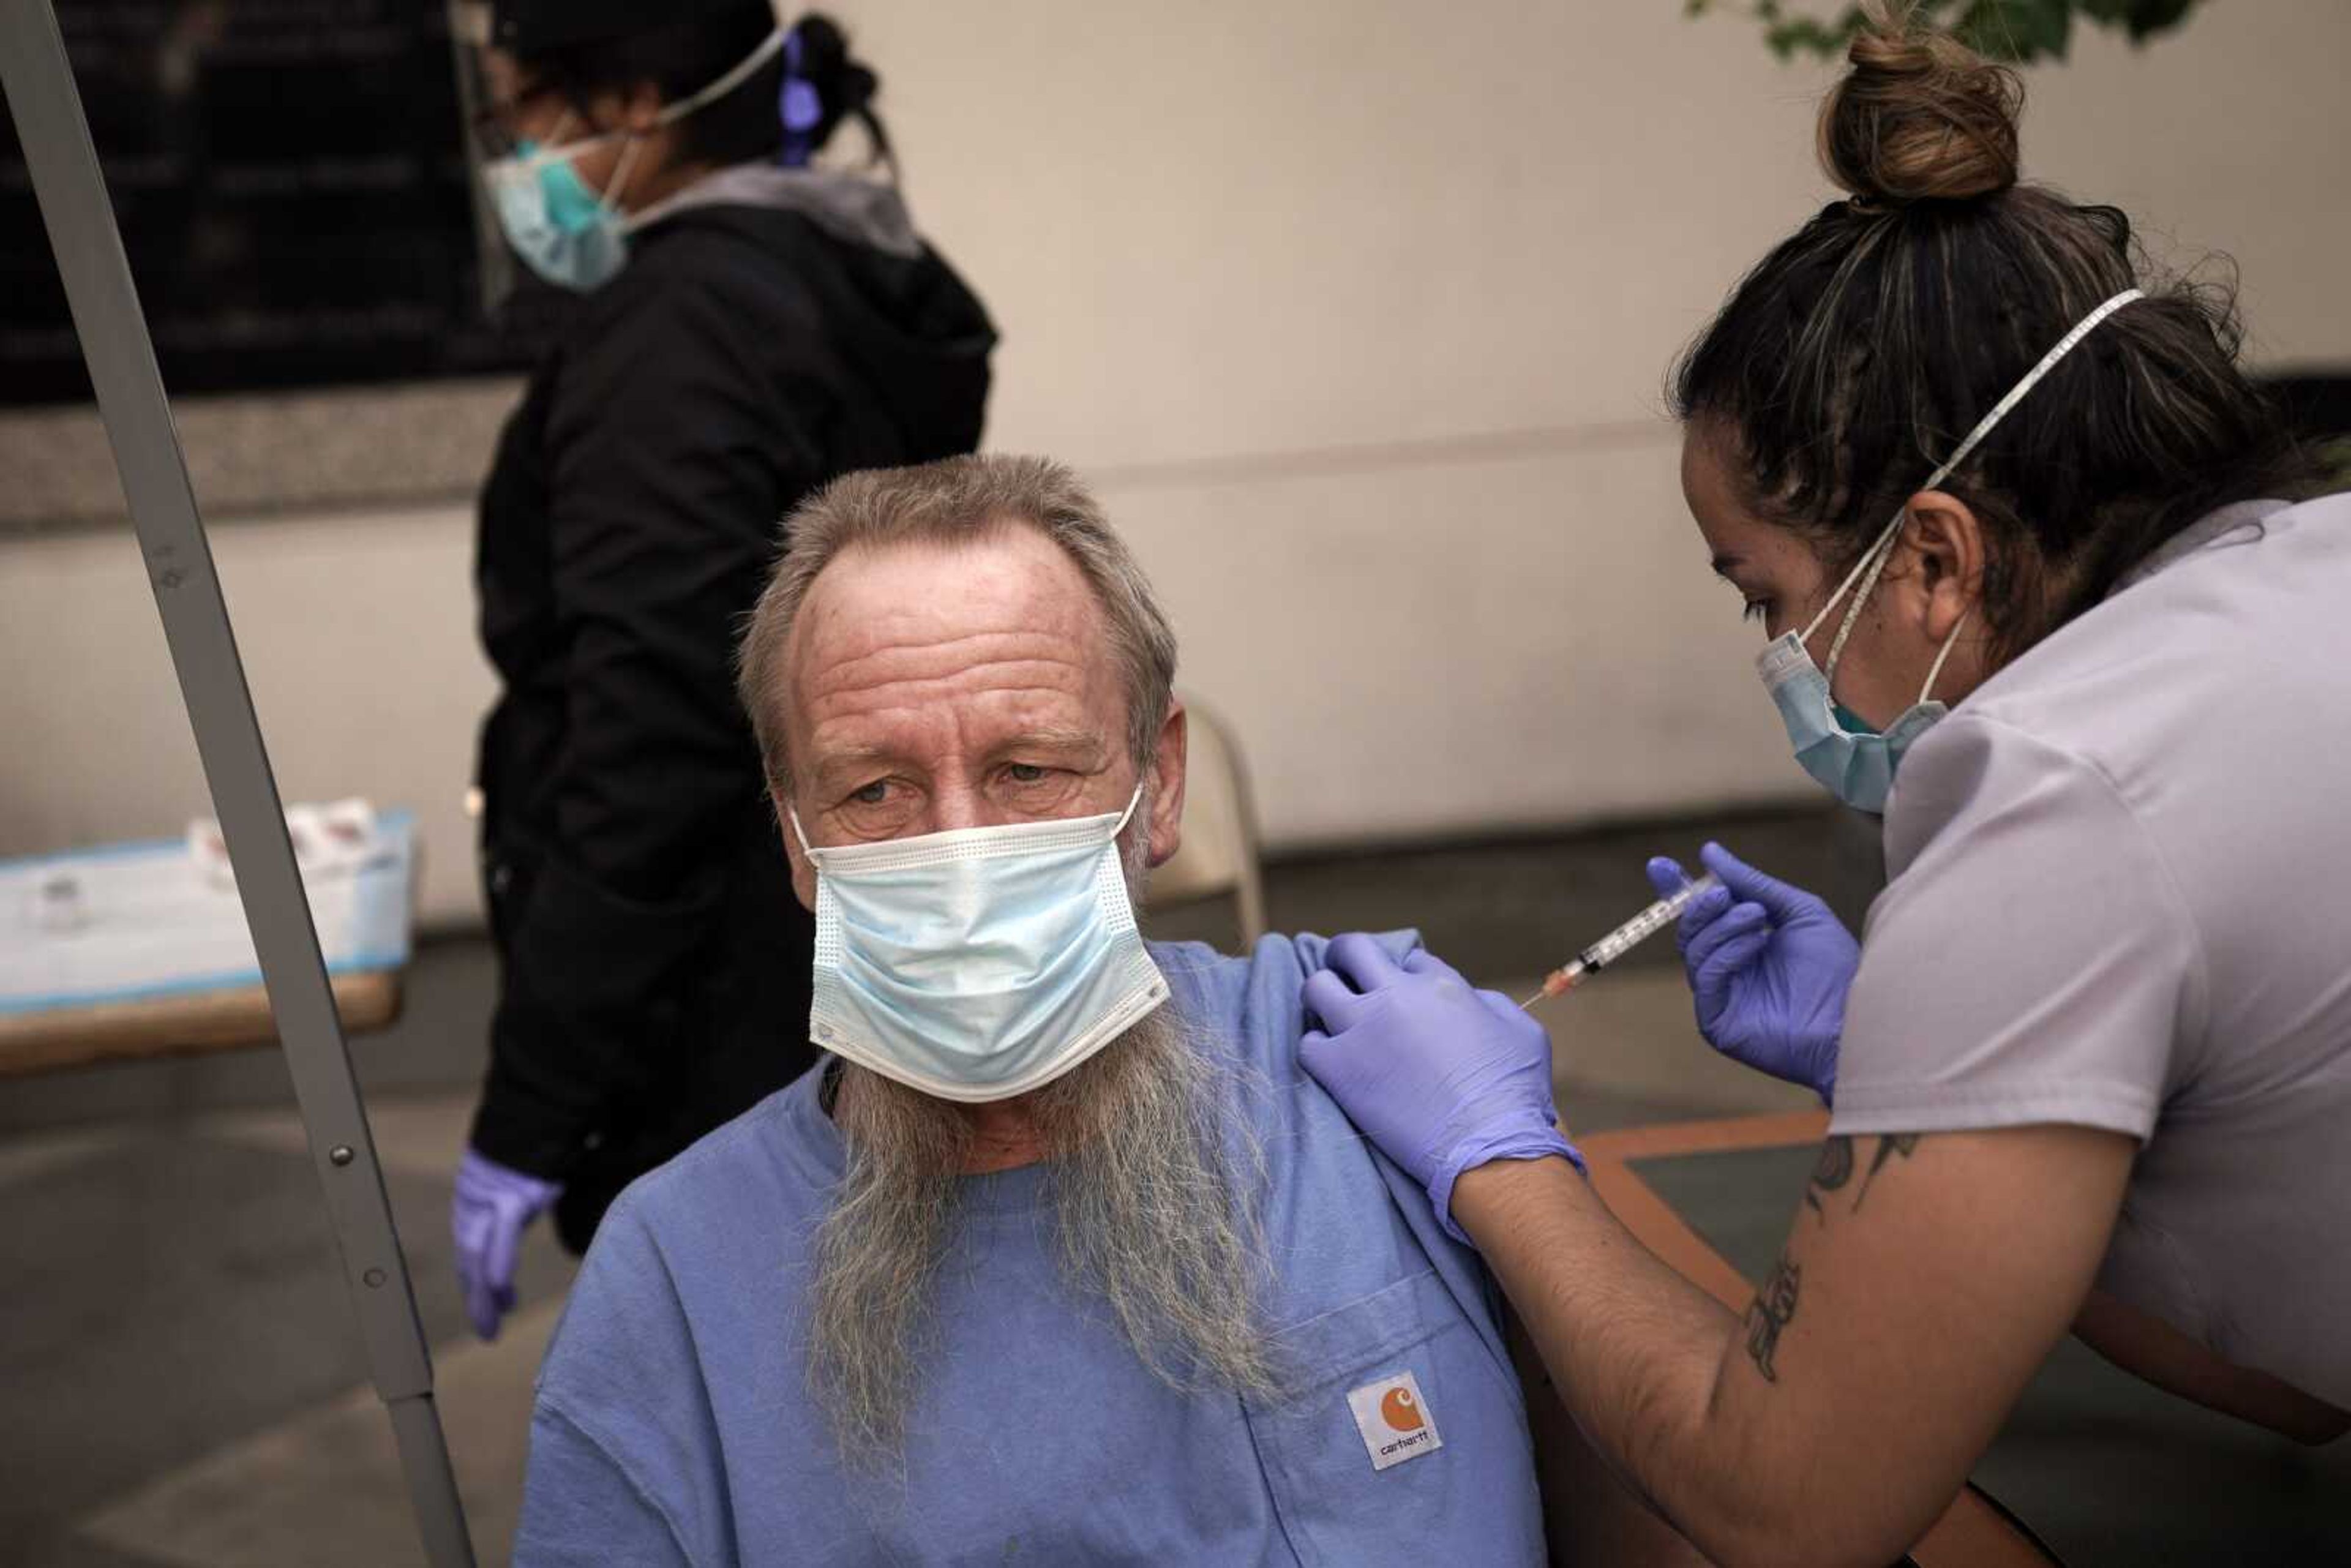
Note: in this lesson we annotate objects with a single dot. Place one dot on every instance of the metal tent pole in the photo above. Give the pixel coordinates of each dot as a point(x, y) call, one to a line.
point(71, 189)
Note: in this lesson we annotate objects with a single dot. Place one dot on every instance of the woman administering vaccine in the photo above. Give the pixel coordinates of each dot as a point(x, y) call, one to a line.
point(2023, 536)
point(752, 322)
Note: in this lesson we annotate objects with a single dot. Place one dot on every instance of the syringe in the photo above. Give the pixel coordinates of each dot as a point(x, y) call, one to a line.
point(1622, 940)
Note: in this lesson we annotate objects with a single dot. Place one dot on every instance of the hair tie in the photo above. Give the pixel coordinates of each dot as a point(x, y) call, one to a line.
point(799, 106)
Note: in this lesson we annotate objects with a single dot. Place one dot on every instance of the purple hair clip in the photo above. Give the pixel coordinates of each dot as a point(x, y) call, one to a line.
point(801, 108)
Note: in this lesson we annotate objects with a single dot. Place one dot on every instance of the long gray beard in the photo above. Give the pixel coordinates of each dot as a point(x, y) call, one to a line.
point(1153, 1179)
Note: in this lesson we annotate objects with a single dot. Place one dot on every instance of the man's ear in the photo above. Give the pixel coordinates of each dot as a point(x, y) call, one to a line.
point(1945, 539)
point(1167, 796)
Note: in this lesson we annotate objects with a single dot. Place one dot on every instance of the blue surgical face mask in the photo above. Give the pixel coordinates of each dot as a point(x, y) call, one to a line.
point(570, 235)
point(980, 964)
point(1853, 761)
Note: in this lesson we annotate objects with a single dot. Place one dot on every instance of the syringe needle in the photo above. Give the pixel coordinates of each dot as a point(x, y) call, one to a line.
point(1622, 940)
point(1558, 982)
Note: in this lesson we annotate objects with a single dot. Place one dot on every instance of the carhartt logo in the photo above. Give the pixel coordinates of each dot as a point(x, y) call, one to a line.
point(1394, 1420)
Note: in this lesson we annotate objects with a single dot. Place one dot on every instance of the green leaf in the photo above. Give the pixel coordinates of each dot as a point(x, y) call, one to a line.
point(1800, 33)
point(1813, 35)
point(2019, 30)
point(2145, 19)
point(2142, 19)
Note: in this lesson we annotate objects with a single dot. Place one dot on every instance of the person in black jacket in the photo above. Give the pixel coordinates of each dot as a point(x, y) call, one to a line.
point(750, 327)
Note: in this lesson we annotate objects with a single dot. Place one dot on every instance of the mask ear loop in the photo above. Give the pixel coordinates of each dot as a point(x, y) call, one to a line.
point(1935, 670)
point(546, 152)
point(735, 77)
point(1124, 817)
point(1874, 565)
point(671, 113)
point(1858, 568)
point(609, 196)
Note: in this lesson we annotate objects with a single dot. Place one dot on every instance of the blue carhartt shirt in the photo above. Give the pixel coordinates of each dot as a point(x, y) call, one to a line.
point(673, 1425)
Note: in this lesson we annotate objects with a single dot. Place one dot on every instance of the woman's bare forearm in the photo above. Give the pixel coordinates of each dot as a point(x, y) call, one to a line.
point(2147, 1347)
point(1635, 1350)
point(1922, 1283)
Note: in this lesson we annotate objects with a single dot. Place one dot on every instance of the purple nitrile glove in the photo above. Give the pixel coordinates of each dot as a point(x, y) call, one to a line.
point(493, 1206)
point(1443, 1078)
point(1768, 968)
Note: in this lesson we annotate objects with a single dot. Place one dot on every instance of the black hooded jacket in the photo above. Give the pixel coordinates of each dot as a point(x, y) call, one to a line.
point(654, 963)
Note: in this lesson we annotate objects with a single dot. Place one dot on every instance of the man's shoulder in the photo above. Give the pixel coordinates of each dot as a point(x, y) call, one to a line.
point(1250, 1003)
point(776, 1157)
point(1277, 957)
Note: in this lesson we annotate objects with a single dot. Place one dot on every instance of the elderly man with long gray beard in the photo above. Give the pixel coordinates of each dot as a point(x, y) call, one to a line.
point(1057, 1256)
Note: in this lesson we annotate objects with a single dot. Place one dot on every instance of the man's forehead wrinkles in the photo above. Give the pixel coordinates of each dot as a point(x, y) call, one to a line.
point(1004, 679)
point(913, 702)
point(911, 717)
point(929, 611)
point(927, 664)
point(841, 757)
point(961, 653)
point(865, 639)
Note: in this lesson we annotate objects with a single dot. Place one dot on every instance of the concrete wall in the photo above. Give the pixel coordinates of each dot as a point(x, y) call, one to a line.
point(1357, 311)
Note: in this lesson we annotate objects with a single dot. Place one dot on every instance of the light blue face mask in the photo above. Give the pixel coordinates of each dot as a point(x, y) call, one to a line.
point(1843, 753)
point(570, 235)
point(980, 964)
point(1853, 761)
point(565, 232)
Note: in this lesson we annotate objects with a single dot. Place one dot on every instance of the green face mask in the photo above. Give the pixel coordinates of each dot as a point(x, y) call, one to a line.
point(563, 231)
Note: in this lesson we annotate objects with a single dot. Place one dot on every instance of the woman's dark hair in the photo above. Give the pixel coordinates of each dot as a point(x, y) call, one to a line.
point(684, 58)
point(1855, 357)
point(845, 86)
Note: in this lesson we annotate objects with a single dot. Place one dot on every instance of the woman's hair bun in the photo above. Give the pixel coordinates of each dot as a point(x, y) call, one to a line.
point(1921, 117)
point(845, 83)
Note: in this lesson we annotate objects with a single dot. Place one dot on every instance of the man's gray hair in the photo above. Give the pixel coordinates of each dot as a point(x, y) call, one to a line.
point(958, 501)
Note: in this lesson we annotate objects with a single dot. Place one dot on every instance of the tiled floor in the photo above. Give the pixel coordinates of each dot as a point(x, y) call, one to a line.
point(182, 1372)
point(177, 1313)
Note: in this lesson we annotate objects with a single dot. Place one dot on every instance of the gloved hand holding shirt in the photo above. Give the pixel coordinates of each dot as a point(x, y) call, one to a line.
point(1442, 1077)
point(493, 1206)
point(1768, 968)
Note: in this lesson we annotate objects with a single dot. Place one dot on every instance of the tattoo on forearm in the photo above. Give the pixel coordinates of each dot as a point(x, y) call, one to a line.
point(1774, 1305)
point(1892, 1144)
point(1834, 1169)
